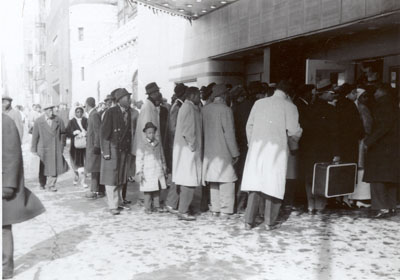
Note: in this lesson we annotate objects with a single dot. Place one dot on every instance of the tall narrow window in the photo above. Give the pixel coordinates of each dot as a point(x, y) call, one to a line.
point(82, 73)
point(80, 33)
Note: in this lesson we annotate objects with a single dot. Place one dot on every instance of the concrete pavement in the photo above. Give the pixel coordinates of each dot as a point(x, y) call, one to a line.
point(79, 239)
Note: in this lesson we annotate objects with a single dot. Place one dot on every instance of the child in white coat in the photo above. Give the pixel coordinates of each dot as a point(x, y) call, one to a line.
point(151, 169)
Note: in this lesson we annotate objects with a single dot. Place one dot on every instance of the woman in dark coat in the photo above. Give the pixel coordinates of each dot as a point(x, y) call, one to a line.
point(382, 161)
point(77, 127)
point(19, 203)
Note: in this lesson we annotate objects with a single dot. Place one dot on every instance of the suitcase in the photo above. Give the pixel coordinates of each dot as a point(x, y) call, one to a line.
point(331, 180)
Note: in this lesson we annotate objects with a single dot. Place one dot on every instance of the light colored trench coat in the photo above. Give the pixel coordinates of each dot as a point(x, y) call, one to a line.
point(220, 145)
point(148, 113)
point(270, 123)
point(47, 142)
point(150, 162)
point(188, 146)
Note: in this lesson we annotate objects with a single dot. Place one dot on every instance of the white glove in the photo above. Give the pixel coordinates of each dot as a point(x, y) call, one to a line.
point(76, 132)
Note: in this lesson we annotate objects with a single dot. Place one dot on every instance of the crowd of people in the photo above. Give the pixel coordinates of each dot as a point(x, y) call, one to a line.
point(251, 149)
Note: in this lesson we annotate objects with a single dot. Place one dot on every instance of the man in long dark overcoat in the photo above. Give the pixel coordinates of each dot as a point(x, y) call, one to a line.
point(48, 144)
point(382, 162)
point(19, 203)
point(115, 145)
point(322, 140)
point(93, 151)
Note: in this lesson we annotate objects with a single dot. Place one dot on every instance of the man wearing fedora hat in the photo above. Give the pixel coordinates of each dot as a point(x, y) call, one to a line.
point(221, 152)
point(149, 113)
point(13, 114)
point(48, 143)
point(173, 195)
point(115, 145)
point(323, 146)
point(187, 154)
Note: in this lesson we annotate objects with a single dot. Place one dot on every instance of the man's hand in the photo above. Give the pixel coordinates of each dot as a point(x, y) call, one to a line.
point(107, 157)
point(8, 192)
point(76, 132)
point(96, 151)
point(336, 159)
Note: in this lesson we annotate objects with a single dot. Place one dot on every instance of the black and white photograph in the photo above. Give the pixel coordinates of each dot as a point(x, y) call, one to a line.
point(200, 139)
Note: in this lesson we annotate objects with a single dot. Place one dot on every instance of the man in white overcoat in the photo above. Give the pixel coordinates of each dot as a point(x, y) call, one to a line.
point(272, 120)
point(187, 152)
point(221, 152)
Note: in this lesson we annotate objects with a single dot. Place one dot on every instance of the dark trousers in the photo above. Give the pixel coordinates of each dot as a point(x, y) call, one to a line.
point(151, 197)
point(42, 177)
point(8, 251)
point(271, 210)
point(383, 196)
point(95, 183)
point(205, 198)
point(124, 190)
point(173, 196)
point(290, 192)
point(315, 201)
point(185, 198)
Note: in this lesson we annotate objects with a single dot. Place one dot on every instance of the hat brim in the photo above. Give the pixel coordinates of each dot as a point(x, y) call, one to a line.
point(49, 107)
point(119, 98)
point(7, 98)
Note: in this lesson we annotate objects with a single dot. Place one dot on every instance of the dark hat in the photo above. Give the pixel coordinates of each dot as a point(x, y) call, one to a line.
point(91, 102)
point(218, 90)
point(108, 97)
point(180, 90)
point(6, 97)
point(112, 94)
point(121, 92)
point(324, 85)
point(237, 90)
point(152, 87)
point(192, 90)
point(255, 87)
point(149, 125)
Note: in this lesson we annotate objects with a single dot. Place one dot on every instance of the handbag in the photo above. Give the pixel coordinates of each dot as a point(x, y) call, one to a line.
point(80, 142)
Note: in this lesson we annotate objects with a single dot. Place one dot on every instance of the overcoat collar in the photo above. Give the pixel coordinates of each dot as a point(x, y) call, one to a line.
point(54, 124)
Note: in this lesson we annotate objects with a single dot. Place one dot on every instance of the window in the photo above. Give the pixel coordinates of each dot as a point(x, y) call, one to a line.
point(82, 73)
point(80, 33)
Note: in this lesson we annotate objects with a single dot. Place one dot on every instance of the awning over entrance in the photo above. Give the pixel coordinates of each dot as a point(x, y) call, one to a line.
point(191, 9)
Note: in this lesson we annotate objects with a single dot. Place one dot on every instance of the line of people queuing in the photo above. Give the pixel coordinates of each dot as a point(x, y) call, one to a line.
point(250, 149)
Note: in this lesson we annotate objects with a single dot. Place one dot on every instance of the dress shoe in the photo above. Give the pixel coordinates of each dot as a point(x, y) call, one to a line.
point(124, 207)
point(361, 204)
point(42, 187)
point(115, 212)
point(171, 210)
point(186, 217)
point(100, 195)
point(91, 195)
point(52, 189)
point(271, 227)
point(160, 210)
point(225, 215)
point(148, 211)
point(127, 201)
point(381, 214)
point(215, 214)
point(248, 226)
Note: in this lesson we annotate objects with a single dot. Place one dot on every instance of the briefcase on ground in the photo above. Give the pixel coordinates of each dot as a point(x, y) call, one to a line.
point(330, 179)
